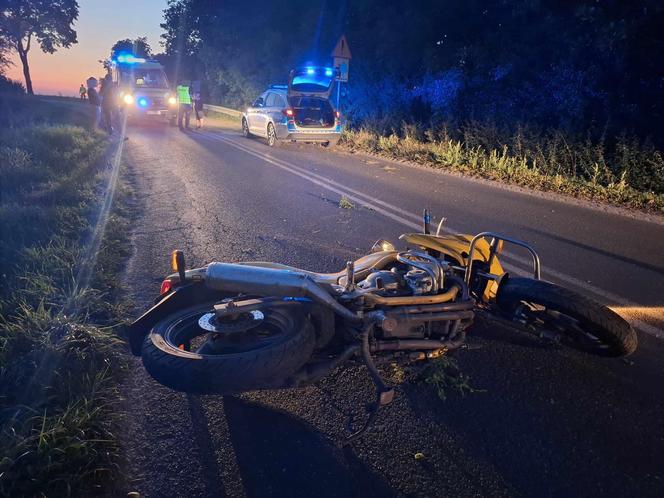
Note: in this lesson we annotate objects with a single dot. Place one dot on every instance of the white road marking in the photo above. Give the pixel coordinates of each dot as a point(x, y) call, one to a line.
point(519, 265)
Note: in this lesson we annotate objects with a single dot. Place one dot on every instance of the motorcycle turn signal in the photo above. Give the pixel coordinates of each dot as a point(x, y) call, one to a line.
point(178, 264)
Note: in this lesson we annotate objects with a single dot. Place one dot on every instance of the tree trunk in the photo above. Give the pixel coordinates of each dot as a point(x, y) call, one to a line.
point(23, 55)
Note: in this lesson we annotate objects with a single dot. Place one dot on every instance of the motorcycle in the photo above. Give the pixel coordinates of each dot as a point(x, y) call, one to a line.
point(234, 327)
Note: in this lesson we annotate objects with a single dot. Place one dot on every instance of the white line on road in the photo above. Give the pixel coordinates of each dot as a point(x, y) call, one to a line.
point(620, 304)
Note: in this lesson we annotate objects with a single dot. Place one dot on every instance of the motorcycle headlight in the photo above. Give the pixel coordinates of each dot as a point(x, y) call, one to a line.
point(128, 99)
point(382, 245)
point(172, 100)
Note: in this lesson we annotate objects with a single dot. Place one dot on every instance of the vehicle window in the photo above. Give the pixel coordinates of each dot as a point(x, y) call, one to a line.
point(144, 78)
point(312, 79)
point(279, 101)
point(271, 100)
point(259, 102)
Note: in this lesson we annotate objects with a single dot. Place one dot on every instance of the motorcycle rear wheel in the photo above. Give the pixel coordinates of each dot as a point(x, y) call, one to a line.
point(567, 317)
point(260, 358)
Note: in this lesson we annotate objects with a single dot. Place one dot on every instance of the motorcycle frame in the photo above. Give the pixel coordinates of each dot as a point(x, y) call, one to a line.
point(496, 238)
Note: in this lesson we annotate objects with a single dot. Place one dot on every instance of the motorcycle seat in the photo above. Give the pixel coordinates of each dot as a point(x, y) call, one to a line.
point(363, 266)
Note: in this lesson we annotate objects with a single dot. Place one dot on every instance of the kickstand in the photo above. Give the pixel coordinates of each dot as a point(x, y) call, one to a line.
point(384, 394)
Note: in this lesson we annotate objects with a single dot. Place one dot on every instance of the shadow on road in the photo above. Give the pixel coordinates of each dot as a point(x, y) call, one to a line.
point(212, 481)
point(281, 455)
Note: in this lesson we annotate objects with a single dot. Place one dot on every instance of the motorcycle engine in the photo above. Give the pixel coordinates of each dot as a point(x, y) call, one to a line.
point(385, 282)
point(419, 281)
point(398, 281)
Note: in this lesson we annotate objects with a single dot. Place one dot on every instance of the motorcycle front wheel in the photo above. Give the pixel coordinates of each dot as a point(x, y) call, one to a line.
point(566, 317)
point(182, 355)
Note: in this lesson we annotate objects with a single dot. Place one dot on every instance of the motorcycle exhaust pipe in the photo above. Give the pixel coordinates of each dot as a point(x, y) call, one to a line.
point(418, 344)
point(248, 279)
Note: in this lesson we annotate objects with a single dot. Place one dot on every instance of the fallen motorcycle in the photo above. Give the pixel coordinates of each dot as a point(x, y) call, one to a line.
point(234, 327)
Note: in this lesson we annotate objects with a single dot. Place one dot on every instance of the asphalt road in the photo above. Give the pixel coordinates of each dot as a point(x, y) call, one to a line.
point(544, 421)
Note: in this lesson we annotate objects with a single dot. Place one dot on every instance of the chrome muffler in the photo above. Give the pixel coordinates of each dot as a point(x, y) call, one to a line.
point(247, 279)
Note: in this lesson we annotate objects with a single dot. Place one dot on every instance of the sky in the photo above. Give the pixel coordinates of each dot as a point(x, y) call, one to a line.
point(100, 24)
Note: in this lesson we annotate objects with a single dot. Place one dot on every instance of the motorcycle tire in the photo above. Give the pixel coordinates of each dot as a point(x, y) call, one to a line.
point(256, 366)
point(578, 321)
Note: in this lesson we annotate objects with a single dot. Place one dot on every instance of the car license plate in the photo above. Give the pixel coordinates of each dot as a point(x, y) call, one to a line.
point(154, 112)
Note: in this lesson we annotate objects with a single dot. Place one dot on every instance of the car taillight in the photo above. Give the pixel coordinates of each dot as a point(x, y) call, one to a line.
point(288, 113)
point(167, 286)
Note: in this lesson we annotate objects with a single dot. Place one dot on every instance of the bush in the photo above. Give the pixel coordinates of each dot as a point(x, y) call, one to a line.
point(10, 86)
point(630, 174)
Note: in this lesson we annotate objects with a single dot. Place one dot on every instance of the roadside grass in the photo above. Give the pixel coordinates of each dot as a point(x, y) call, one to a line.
point(344, 203)
point(630, 175)
point(59, 352)
point(222, 120)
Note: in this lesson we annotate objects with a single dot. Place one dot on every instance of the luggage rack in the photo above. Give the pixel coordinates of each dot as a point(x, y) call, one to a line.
point(496, 238)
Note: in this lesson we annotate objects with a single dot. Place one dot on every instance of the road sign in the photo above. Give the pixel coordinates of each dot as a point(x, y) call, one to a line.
point(342, 50)
point(342, 66)
point(342, 57)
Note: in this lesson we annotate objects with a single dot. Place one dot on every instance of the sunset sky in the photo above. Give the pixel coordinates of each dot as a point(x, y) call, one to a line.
point(100, 24)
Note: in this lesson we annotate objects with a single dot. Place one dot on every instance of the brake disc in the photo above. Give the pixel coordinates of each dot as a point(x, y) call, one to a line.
point(233, 324)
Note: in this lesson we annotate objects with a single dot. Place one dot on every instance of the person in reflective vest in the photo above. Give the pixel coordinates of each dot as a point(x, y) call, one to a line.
point(184, 105)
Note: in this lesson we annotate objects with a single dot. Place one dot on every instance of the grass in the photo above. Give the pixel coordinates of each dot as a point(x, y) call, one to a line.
point(59, 353)
point(444, 374)
point(631, 174)
point(344, 203)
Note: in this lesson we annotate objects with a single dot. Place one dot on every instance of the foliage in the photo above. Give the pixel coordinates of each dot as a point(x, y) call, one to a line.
point(58, 351)
point(138, 47)
point(629, 174)
point(570, 65)
point(344, 203)
point(5, 50)
point(444, 374)
point(10, 86)
point(49, 22)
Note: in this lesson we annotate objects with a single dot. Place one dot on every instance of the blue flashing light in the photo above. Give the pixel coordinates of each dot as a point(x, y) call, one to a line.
point(128, 59)
point(143, 102)
point(311, 70)
point(328, 72)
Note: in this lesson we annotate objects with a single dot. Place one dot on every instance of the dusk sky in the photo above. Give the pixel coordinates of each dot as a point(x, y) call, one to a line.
point(100, 24)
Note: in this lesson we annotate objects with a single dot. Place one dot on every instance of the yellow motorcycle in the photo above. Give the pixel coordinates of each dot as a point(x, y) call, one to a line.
point(233, 327)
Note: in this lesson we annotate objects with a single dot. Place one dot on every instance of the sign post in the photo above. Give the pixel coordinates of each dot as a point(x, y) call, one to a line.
point(342, 57)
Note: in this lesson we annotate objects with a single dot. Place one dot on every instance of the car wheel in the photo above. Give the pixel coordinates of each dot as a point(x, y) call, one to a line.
point(245, 128)
point(271, 135)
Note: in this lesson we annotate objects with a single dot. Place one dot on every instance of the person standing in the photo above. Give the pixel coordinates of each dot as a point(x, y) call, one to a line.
point(198, 109)
point(184, 105)
point(94, 99)
point(82, 91)
point(109, 102)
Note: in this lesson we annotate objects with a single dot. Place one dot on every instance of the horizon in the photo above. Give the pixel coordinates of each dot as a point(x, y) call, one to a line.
point(98, 27)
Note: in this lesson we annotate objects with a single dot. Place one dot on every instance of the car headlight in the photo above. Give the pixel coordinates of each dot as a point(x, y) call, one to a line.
point(172, 100)
point(128, 99)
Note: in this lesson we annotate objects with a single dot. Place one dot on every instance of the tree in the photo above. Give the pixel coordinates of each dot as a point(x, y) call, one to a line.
point(5, 49)
point(138, 47)
point(49, 22)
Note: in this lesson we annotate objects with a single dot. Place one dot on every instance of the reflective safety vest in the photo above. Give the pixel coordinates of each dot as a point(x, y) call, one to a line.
point(183, 94)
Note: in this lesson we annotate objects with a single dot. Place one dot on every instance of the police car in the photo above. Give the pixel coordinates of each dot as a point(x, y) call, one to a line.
point(299, 112)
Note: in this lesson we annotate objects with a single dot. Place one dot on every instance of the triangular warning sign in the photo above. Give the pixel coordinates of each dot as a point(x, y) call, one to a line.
point(342, 50)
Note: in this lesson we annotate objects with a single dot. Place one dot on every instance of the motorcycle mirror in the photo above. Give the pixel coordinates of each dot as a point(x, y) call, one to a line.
point(382, 245)
point(178, 264)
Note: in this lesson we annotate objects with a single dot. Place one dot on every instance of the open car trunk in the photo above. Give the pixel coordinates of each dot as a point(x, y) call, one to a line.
point(312, 112)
